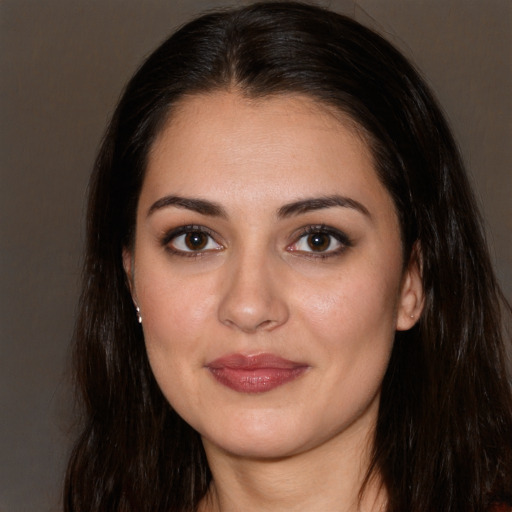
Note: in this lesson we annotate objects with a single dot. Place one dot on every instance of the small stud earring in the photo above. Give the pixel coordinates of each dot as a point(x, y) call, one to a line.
point(412, 316)
point(139, 317)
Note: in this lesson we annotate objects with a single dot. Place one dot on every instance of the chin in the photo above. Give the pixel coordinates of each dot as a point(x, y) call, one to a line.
point(264, 447)
point(260, 438)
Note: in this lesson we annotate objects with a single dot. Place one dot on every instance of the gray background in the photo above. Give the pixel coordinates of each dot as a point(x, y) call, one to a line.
point(62, 66)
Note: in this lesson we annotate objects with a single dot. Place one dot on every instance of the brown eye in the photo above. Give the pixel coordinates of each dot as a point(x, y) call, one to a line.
point(319, 242)
point(189, 240)
point(195, 241)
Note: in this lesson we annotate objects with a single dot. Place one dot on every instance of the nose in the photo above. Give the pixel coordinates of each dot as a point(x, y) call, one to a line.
point(253, 298)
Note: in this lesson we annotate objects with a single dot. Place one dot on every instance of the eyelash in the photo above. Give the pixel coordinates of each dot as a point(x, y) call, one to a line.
point(344, 241)
point(186, 230)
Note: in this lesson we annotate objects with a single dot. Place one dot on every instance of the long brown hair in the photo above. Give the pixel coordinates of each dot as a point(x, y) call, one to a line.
point(444, 432)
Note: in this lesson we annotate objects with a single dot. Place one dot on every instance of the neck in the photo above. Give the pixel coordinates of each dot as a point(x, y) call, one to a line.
point(328, 477)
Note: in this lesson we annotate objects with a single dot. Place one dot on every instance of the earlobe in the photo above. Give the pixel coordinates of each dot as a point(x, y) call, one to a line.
point(411, 296)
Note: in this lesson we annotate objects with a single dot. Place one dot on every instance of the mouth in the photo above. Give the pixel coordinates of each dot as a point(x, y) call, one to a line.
point(255, 373)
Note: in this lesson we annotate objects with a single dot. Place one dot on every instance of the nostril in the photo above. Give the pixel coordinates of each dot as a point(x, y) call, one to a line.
point(264, 324)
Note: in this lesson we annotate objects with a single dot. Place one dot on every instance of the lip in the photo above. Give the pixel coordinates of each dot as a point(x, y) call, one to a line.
point(255, 373)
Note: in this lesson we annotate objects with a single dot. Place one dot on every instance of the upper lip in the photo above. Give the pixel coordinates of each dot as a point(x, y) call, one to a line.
point(251, 362)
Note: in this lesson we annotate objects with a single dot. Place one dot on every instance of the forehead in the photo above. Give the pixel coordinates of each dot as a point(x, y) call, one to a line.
point(224, 145)
point(268, 125)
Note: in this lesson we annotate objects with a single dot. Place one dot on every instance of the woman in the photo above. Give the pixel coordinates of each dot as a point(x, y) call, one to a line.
point(288, 303)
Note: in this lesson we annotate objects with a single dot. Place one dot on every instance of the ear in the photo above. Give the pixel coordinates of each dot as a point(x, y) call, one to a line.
point(128, 270)
point(412, 298)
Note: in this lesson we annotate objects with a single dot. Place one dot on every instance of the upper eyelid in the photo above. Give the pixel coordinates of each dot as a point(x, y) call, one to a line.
point(325, 229)
point(169, 235)
point(175, 239)
point(297, 234)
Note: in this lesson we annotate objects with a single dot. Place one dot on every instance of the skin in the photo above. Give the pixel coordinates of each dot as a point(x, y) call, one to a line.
point(258, 286)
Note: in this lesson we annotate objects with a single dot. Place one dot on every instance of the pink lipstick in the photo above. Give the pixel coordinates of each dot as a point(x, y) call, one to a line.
point(256, 373)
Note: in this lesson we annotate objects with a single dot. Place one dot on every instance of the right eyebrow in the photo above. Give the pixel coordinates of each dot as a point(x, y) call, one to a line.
point(189, 203)
point(319, 203)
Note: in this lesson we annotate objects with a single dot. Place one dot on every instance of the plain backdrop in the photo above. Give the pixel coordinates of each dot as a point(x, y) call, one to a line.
point(63, 64)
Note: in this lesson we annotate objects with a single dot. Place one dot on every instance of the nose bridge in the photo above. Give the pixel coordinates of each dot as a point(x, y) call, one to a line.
point(252, 299)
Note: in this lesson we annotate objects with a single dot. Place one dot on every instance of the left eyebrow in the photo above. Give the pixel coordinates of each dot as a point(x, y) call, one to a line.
point(319, 203)
point(188, 203)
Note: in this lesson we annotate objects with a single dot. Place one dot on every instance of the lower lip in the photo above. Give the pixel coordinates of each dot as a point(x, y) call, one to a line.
point(256, 380)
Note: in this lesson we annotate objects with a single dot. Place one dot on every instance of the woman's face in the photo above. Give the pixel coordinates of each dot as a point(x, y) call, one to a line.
point(267, 266)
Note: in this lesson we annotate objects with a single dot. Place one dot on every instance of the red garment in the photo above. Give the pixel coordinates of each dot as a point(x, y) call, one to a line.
point(501, 508)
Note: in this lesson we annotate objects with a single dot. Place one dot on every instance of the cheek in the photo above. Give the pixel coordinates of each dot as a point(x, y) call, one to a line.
point(352, 303)
point(176, 315)
point(173, 306)
point(353, 324)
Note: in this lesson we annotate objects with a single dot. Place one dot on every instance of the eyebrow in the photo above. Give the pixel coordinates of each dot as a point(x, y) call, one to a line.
point(213, 209)
point(196, 205)
point(319, 203)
